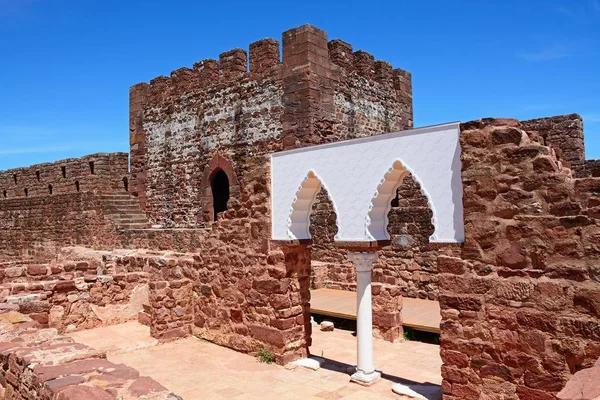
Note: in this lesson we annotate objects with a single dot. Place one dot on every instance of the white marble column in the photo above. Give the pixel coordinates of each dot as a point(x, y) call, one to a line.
point(365, 371)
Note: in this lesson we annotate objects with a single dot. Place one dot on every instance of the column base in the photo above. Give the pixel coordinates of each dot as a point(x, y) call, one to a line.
point(365, 379)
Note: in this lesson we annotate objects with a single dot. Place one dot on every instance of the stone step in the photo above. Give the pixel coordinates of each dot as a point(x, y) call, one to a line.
point(134, 226)
point(128, 218)
point(124, 202)
point(124, 207)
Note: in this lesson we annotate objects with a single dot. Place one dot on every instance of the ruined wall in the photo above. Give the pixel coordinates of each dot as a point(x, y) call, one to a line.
point(563, 133)
point(521, 306)
point(40, 364)
point(71, 295)
point(592, 168)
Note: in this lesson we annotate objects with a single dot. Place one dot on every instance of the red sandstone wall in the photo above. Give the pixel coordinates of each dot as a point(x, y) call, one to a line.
point(564, 133)
point(72, 295)
point(40, 226)
point(36, 180)
point(410, 263)
point(592, 168)
point(37, 223)
point(520, 310)
point(318, 94)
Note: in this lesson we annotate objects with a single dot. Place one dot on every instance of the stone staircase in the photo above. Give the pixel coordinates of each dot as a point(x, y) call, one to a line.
point(124, 211)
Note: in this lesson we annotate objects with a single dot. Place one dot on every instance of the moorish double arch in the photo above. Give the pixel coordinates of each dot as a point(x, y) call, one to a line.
point(361, 177)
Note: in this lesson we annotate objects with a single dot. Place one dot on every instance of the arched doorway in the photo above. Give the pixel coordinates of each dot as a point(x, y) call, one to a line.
point(220, 192)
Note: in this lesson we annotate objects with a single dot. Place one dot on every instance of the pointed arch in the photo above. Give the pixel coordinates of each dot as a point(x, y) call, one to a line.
point(222, 166)
point(377, 220)
point(299, 216)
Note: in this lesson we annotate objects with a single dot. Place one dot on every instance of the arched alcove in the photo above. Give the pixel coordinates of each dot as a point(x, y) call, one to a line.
point(126, 184)
point(323, 228)
point(299, 218)
point(50, 189)
point(219, 185)
point(382, 201)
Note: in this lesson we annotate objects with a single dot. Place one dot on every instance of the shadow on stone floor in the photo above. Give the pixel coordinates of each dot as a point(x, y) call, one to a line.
point(428, 390)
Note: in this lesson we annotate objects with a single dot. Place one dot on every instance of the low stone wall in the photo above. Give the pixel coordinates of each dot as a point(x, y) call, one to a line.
point(39, 364)
point(74, 295)
point(171, 309)
point(244, 308)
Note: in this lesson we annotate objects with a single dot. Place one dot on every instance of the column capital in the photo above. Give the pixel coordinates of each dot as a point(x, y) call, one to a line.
point(363, 260)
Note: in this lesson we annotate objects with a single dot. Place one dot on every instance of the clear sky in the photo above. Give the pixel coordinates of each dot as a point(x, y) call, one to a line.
point(66, 65)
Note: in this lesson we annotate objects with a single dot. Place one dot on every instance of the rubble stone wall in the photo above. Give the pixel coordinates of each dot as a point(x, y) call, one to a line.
point(247, 105)
point(39, 364)
point(71, 296)
point(520, 306)
point(410, 262)
point(171, 309)
point(592, 168)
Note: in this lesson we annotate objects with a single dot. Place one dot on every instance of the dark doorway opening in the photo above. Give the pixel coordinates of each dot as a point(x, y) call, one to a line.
point(220, 192)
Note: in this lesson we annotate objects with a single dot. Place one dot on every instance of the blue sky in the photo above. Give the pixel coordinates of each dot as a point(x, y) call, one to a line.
point(66, 65)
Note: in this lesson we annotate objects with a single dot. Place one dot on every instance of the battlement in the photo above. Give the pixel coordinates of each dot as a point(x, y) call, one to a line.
point(309, 90)
point(92, 173)
point(263, 60)
point(364, 64)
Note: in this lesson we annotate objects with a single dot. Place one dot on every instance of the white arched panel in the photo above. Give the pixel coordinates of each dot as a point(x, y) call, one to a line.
point(358, 175)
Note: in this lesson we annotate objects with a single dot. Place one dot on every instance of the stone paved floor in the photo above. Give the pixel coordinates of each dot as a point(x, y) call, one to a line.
point(195, 369)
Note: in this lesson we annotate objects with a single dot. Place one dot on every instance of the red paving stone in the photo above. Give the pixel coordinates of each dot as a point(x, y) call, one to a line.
point(196, 369)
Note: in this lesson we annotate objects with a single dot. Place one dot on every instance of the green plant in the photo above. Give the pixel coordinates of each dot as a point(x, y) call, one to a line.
point(265, 356)
point(182, 251)
point(408, 334)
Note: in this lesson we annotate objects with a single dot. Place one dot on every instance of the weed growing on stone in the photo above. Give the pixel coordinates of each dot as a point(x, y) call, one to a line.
point(265, 356)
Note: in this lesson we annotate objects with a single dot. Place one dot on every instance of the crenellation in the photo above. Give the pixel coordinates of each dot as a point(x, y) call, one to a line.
point(264, 56)
point(364, 63)
point(182, 78)
point(383, 72)
point(233, 64)
point(160, 87)
point(108, 171)
point(402, 80)
point(207, 71)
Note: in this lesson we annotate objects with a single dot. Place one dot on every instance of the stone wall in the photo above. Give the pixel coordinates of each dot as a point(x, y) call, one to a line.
point(94, 173)
point(592, 168)
point(563, 133)
point(243, 300)
point(48, 206)
point(520, 307)
point(40, 226)
point(39, 364)
point(171, 308)
point(243, 107)
point(73, 295)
